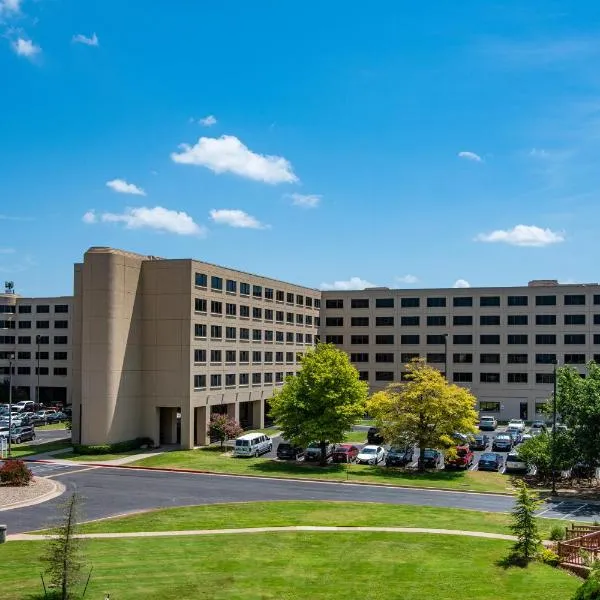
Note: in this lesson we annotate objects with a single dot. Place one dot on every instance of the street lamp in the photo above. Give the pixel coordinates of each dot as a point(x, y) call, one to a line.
point(37, 389)
point(553, 447)
point(11, 360)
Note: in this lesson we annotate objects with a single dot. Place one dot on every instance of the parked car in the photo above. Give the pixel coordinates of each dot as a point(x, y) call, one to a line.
point(15, 420)
point(287, 451)
point(370, 455)
point(374, 437)
point(490, 461)
point(538, 425)
point(22, 434)
point(398, 456)
point(463, 458)
point(514, 464)
point(524, 438)
point(487, 423)
point(503, 442)
point(479, 442)
point(313, 452)
point(432, 459)
point(518, 424)
point(514, 433)
point(252, 444)
point(41, 417)
point(24, 405)
point(345, 453)
point(583, 471)
point(3, 432)
point(56, 417)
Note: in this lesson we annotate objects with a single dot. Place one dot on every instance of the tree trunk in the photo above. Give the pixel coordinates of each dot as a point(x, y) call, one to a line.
point(421, 463)
point(323, 457)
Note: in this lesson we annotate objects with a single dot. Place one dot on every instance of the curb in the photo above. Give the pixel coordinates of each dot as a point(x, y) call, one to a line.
point(58, 490)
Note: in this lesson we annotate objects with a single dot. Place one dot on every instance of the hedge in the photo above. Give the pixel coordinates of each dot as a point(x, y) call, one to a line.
point(116, 448)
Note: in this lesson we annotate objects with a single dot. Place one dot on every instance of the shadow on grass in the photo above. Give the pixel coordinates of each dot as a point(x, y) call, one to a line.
point(512, 561)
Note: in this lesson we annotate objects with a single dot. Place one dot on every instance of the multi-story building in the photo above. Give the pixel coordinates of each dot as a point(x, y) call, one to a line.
point(38, 333)
point(500, 342)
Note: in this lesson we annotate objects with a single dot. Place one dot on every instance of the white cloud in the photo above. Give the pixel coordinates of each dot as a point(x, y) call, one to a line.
point(236, 218)
point(354, 283)
point(410, 279)
point(7, 250)
point(121, 186)
point(10, 7)
point(25, 48)
point(461, 283)
point(158, 218)
point(208, 121)
point(88, 41)
point(228, 154)
point(305, 200)
point(523, 235)
point(470, 156)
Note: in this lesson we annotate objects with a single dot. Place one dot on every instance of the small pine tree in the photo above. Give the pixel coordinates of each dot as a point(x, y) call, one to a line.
point(524, 526)
point(63, 555)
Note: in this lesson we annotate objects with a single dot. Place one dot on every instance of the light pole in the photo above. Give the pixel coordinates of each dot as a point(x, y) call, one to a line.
point(11, 361)
point(553, 447)
point(37, 389)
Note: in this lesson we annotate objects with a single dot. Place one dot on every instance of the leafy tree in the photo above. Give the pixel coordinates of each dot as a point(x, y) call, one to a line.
point(590, 590)
point(425, 409)
point(64, 552)
point(323, 400)
point(223, 427)
point(538, 452)
point(524, 526)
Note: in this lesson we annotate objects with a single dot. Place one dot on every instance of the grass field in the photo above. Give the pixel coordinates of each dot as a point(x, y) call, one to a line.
point(214, 459)
point(286, 513)
point(294, 566)
point(24, 450)
point(356, 436)
point(50, 426)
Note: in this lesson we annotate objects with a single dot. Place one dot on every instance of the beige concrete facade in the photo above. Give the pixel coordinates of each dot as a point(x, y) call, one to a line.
point(500, 341)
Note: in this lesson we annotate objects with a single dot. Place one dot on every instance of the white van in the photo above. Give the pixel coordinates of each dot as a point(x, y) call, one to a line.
point(252, 444)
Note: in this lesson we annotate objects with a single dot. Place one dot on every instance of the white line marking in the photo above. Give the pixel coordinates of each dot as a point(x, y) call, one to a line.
point(573, 512)
point(70, 472)
point(549, 509)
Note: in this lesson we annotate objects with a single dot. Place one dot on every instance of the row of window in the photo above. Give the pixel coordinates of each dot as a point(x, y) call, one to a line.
point(463, 301)
point(256, 335)
point(217, 380)
point(494, 407)
point(39, 339)
point(58, 371)
point(231, 356)
point(5, 355)
point(38, 324)
point(256, 312)
point(467, 358)
point(461, 377)
point(218, 284)
point(460, 320)
point(458, 339)
point(25, 309)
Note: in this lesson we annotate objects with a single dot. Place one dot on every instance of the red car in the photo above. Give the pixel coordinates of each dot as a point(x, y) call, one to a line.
point(344, 453)
point(463, 458)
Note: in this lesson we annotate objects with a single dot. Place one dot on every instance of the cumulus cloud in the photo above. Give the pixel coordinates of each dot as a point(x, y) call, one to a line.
point(88, 41)
point(10, 7)
point(523, 235)
point(227, 154)
point(305, 200)
point(409, 279)
point(121, 186)
point(354, 283)
point(157, 218)
point(236, 218)
point(25, 48)
point(461, 283)
point(208, 121)
point(470, 156)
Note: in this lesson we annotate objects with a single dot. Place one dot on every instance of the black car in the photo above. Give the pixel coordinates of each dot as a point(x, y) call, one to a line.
point(479, 442)
point(374, 438)
point(490, 461)
point(23, 434)
point(313, 452)
point(502, 443)
point(399, 457)
point(286, 451)
point(431, 458)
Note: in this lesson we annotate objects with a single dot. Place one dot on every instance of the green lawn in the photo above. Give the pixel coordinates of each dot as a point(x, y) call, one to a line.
point(215, 460)
point(50, 426)
point(294, 566)
point(286, 513)
point(368, 422)
point(356, 436)
point(270, 431)
point(98, 457)
point(24, 450)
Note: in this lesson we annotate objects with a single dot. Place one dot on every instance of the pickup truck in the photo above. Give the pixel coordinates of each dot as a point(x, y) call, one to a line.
point(461, 458)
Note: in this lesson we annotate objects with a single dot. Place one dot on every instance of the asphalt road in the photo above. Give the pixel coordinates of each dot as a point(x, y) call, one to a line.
point(113, 491)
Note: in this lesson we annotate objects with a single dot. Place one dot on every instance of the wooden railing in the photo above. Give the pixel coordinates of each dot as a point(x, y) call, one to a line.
point(579, 550)
point(576, 531)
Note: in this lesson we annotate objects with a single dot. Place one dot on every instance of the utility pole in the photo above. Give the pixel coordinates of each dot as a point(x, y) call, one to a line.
point(553, 448)
point(11, 362)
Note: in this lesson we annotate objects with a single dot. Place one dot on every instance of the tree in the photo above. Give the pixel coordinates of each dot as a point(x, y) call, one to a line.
point(323, 400)
point(524, 526)
point(424, 409)
point(223, 427)
point(64, 552)
point(538, 452)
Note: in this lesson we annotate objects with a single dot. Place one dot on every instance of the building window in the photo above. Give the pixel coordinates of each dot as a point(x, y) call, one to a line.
point(462, 320)
point(199, 330)
point(384, 357)
point(256, 312)
point(384, 321)
point(245, 289)
point(40, 324)
point(489, 301)
point(268, 358)
point(279, 316)
point(279, 337)
point(257, 291)
point(27, 371)
point(462, 377)
point(516, 378)
point(230, 380)
point(257, 356)
point(574, 359)
point(42, 308)
point(489, 359)
point(231, 286)
point(462, 339)
point(517, 320)
point(359, 357)
point(359, 339)
point(7, 309)
point(244, 357)
point(545, 319)
point(10, 340)
point(489, 377)
point(384, 375)
point(199, 355)
point(574, 319)
point(410, 302)
point(289, 318)
point(436, 321)
point(230, 309)
point(359, 303)
point(268, 335)
point(489, 407)
point(437, 302)
point(200, 280)
point(269, 296)
point(436, 339)
point(24, 324)
point(334, 322)
point(384, 339)
point(412, 321)
point(363, 375)
point(518, 339)
point(462, 358)
point(335, 339)
point(199, 382)
point(462, 301)
point(229, 356)
point(545, 300)
point(42, 371)
point(256, 378)
point(358, 321)
point(23, 339)
point(299, 319)
point(544, 378)
point(24, 309)
point(230, 333)
point(216, 283)
point(279, 377)
point(257, 335)
point(574, 299)
point(517, 359)
point(279, 357)
point(289, 297)
point(244, 379)
point(216, 356)
point(59, 371)
point(244, 311)
point(269, 314)
point(545, 359)
point(20, 355)
point(596, 319)
point(489, 320)
point(436, 357)
point(308, 338)
point(216, 381)
point(216, 332)
point(200, 305)
point(407, 357)
point(216, 308)
point(410, 340)
point(545, 338)
point(268, 378)
point(596, 339)
point(334, 303)
point(575, 338)
point(299, 300)
point(596, 299)
point(279, 296)
point(384, 303)
point(517, 301)
point(61, 339)
point(299, 338)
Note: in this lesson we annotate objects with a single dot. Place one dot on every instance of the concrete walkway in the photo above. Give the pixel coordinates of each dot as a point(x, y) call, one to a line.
point(22, 537)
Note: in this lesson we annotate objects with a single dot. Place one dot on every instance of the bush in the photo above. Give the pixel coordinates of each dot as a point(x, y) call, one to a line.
point(590, 590)
point(15, 473)
point(115, 448)
point(548, 557)
point(557, 533)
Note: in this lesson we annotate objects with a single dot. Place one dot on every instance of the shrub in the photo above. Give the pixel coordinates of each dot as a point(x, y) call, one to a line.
point(548, 557)
point(115, 448)
point(15, 473)
point(223, 427)
point(557, 533)
point(590, 590)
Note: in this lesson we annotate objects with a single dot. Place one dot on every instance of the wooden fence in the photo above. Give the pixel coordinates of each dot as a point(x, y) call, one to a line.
point(579, 550)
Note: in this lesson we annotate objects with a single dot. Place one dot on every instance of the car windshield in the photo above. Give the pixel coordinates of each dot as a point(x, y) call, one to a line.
point(395, 450)
point(502, 438)
point(242, 443)
point(461, 452)
point(284, 447)
point(368, 450)
point(429, 453)
point(513, 457)
point(314, 445)
point(491, 457)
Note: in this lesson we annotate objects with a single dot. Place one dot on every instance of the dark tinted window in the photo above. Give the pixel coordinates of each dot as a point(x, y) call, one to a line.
point(517, 301)
point(436, 302)
point(462, 320)
point(489, 301)
point(545, 300)
point(574, 299)
point(489, 320)
point(517, 320)
point(545, 319)
point(384, 303)
point(462, 301)
point(437, 321)
point(359, 303)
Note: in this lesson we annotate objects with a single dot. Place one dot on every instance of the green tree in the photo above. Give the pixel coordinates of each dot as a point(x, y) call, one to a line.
point(538, 452)
point(424, 410)
point(323, 400)
point(64, 557)
point(590, 590)
point(223, 427)
point(524, 526)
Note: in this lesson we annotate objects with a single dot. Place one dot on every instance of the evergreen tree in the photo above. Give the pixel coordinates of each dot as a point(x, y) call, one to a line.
point(524, 526)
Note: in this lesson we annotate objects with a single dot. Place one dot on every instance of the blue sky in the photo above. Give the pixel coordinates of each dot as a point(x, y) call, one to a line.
point(393, 143)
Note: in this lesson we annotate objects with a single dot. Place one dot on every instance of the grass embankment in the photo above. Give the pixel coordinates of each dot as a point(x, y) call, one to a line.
point(307, 512)
point(320, 566)
point(28, 449)
point(216, 460)
point(50, 427)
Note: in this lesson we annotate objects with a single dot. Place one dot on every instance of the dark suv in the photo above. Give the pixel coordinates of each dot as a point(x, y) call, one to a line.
point(23, 434)
point(286, 451)
point(313, 452)
point(399, 457)
point(374, 437)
